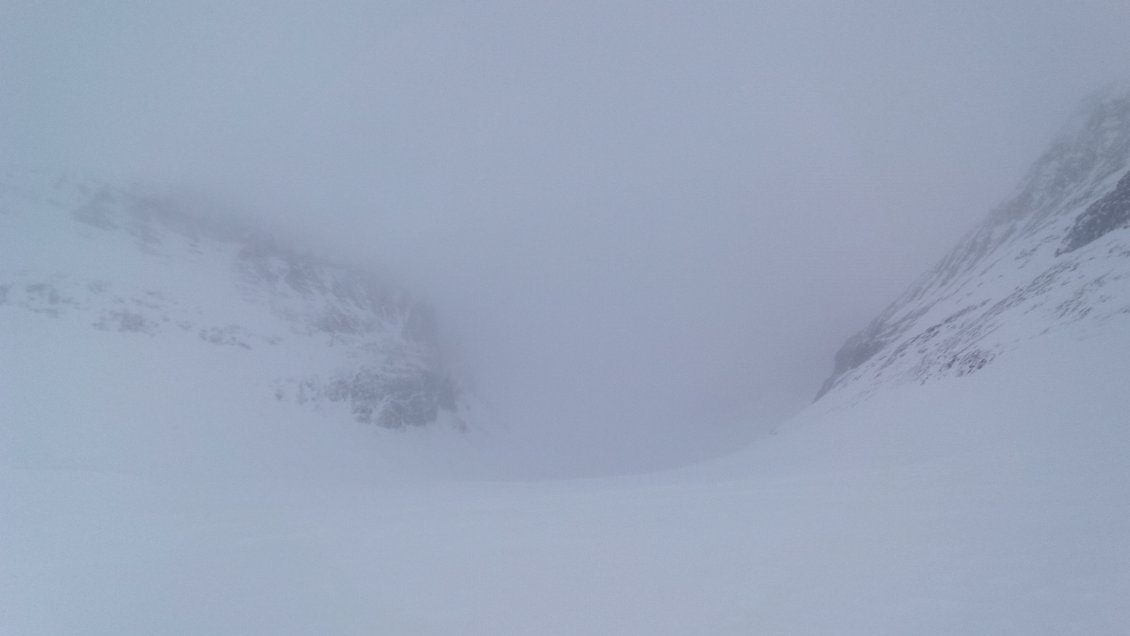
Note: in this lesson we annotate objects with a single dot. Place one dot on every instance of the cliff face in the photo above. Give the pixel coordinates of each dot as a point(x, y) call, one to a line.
point(1055, 255)
point(122, 261)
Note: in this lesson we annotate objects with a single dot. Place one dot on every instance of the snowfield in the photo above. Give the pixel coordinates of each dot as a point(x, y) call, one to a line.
point(996, 503)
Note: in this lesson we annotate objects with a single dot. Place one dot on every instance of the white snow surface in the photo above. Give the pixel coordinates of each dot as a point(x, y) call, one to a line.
point(994, 503)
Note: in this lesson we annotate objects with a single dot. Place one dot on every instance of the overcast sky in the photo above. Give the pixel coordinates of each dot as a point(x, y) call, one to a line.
point(648, 225)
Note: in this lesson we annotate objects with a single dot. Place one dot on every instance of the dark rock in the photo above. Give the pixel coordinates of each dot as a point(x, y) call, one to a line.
point(1109, 213)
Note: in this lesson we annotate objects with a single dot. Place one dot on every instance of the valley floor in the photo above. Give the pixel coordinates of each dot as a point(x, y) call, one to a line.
point(995, 504)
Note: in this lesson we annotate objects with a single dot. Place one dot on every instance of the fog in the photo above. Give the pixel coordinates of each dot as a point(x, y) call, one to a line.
point(646, 227)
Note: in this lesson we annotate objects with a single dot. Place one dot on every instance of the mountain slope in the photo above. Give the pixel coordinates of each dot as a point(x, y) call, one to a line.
point(136, 265)
point(1054, 255)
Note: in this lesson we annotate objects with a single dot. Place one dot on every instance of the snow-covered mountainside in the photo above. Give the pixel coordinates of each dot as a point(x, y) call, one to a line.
point(1055, 255)
point(139, 266)
point(995, 505)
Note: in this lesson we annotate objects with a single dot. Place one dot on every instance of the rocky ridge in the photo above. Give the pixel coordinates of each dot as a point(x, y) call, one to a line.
point(129, 261)
point(1055, 255)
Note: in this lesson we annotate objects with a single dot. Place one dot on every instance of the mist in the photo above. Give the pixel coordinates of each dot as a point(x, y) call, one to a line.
point(646, 227)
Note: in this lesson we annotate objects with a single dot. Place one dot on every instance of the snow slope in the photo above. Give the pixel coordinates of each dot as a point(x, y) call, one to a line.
point(991, 504)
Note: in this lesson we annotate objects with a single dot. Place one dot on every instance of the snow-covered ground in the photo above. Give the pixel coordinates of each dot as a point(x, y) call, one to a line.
point(996, 503)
